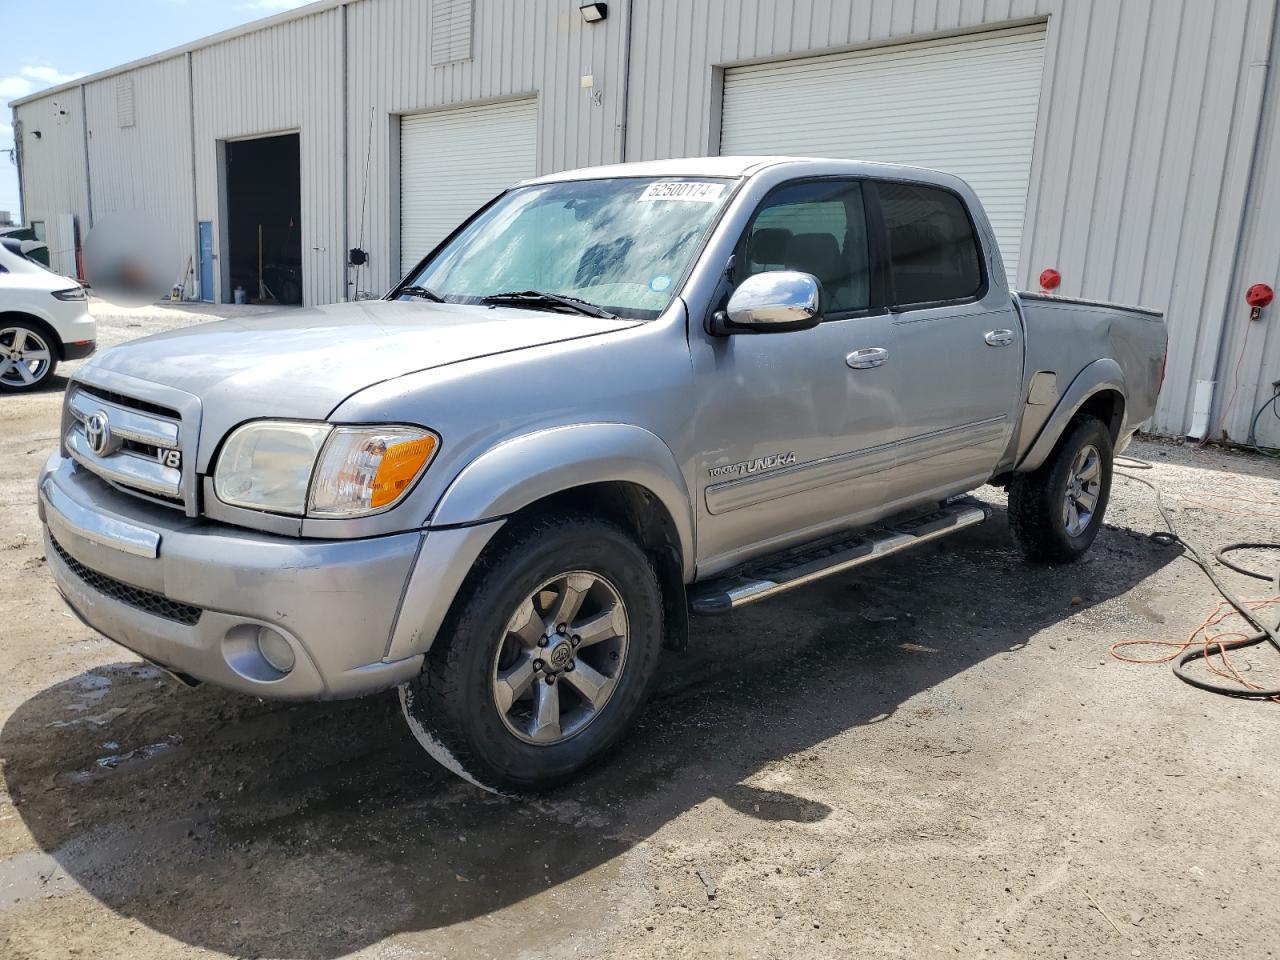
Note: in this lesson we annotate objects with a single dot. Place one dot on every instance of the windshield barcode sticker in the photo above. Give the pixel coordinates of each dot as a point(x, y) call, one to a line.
point(683, 190)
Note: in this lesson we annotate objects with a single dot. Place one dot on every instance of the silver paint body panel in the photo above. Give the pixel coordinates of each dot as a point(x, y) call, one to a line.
point(751, 443)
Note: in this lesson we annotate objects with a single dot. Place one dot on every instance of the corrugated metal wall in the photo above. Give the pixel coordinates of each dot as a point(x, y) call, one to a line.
point(145, 167)
point(1250, 360)
point(281, 79)
point(520, 47)
point(1141, 165)
point(53, 180)
point(1145, 133)
point(1148, 121)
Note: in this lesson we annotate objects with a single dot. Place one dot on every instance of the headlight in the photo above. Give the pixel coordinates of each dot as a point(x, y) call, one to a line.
point(365, 469)
point(266, 465)
point(349, 471)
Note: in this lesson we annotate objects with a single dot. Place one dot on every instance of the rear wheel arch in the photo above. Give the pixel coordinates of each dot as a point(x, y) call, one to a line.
point(8, 317)
point(1108, 406)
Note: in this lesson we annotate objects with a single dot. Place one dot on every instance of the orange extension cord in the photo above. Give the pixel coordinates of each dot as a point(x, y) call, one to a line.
point(1211, 643)
point(1204, 643)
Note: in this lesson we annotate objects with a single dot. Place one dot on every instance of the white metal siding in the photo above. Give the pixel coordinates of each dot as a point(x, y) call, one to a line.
point(1250, 360)
point(967, 106)
point(1148, 129)
point(283, 78)
point(145, 167)
point(452, 161)
point(53, 181)
point(519, 48)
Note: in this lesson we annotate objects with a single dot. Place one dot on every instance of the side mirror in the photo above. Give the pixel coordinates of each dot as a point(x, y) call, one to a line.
point(772, 302)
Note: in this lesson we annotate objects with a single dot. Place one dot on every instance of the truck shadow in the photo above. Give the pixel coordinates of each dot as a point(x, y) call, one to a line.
point(314, 830)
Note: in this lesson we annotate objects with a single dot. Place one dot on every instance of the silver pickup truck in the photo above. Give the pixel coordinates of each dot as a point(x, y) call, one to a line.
point(611, 397)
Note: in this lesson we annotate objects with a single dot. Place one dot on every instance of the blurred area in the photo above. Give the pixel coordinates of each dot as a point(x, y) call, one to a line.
point(132, 259)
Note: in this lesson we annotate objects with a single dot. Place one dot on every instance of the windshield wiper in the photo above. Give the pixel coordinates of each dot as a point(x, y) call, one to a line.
point(422, 293)
point(537, 298)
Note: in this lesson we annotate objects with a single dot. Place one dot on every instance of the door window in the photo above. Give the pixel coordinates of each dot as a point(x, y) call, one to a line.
point(932, 248)
point(816, 227)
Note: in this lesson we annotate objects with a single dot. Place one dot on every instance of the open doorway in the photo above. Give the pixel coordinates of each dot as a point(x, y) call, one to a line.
point(264, 235)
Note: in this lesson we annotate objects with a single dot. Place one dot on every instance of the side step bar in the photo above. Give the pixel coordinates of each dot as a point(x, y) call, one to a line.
point(809, 562)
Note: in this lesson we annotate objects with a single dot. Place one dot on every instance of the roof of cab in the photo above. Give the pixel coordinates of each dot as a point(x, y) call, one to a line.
point(738, 167)
point(680, 167)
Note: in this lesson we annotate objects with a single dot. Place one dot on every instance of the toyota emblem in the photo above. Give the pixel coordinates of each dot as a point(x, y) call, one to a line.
point(97, 430)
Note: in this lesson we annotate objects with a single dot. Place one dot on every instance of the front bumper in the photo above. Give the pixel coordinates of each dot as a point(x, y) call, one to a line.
point(190, 594)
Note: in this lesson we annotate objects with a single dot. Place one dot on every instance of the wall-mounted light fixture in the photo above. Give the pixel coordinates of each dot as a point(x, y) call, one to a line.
point(594, 12)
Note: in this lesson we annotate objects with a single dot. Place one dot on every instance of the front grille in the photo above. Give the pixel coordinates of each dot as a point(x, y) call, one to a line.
point(110, 396)
point(142, 452)
point(145, 600)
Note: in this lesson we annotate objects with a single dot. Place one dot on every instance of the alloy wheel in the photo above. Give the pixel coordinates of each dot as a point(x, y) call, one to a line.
point(1084, 484)
point(560, 659)
point(24, 357)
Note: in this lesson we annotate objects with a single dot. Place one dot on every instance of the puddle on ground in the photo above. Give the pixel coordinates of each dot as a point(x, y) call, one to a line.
point(113, 761)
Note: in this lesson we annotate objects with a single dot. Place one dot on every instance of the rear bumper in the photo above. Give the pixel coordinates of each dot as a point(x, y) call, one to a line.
point(191, 595)
point(79, 350)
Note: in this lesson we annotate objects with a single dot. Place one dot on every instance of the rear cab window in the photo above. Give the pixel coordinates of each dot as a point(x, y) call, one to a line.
point(934, 256)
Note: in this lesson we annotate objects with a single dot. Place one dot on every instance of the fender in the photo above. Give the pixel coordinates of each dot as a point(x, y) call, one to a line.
point(520, 471)
point(1100, 375)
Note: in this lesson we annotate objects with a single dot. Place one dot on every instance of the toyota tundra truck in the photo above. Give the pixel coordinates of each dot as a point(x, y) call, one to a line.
point(610, 398)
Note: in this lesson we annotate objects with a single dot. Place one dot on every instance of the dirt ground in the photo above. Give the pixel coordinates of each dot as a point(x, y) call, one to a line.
point(935, 757)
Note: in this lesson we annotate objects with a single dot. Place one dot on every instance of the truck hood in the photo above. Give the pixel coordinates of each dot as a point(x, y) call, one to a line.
point(303, 363)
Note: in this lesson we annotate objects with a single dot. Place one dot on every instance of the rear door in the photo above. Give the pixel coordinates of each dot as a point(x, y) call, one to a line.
point(956, 354)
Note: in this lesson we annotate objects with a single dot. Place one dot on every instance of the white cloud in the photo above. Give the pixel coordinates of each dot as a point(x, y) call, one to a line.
point(31, 78)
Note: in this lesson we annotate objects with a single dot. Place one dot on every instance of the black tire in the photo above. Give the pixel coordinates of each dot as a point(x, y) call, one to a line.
point(1037, 499)
point(35, 334)
point(451, 706)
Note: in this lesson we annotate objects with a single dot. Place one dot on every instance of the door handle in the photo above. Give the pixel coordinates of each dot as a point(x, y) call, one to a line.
point(998, 338)
point(867, 357)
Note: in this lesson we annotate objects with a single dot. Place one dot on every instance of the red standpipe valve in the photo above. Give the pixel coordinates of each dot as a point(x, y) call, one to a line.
point(1258, 296)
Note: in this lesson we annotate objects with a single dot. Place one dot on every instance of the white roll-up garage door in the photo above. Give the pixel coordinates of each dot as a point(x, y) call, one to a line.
point(964, 105)
point(453, 161)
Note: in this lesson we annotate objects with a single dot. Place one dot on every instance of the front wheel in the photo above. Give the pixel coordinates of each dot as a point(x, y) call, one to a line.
point(545, 658)
point(1055, 511)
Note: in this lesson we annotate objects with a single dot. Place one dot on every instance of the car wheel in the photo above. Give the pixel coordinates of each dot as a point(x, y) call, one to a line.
point(27, 358)
point(545, 659)
point(1055, 512)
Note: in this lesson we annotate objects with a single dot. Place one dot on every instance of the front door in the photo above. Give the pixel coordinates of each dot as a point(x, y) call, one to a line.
point(801, 439)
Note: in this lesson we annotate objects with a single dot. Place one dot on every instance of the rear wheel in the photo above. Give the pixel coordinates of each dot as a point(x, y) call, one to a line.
point(27, 358)
point(545, 659)
point(1055, 512)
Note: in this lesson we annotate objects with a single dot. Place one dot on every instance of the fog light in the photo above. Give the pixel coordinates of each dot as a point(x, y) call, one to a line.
point(275, 649)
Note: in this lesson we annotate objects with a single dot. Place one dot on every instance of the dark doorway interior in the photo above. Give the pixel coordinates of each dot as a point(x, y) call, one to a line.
point(264, 189)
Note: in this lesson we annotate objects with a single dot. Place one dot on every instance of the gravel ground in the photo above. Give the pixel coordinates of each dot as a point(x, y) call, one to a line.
point(935, 757)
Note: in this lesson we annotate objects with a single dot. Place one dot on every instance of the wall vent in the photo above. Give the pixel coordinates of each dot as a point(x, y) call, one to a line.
point(124, 102)
point(451, 30)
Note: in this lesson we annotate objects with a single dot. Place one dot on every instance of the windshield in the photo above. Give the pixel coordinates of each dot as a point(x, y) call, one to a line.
point(623, 245)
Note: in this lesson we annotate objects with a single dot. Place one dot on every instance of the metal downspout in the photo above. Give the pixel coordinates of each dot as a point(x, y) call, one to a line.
point(84, 136)
point(624, 106)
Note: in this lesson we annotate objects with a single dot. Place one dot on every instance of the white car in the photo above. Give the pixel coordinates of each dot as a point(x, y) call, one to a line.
point(44, 318)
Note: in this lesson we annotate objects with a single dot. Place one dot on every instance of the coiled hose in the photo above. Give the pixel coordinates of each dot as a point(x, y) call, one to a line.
point(1265, 631)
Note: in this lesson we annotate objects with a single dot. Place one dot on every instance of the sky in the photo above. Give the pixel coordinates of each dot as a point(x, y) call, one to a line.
point(47, 42)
